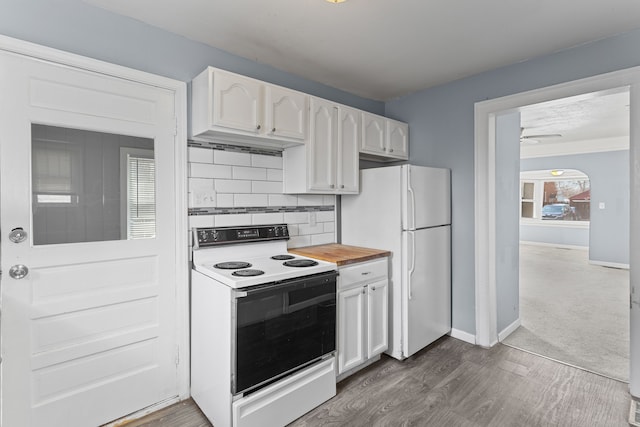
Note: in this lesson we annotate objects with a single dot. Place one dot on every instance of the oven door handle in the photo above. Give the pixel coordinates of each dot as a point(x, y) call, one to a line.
point(270, 287)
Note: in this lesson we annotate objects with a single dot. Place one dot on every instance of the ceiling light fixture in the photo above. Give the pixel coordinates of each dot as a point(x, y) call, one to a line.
point(557, 172)
point(336, 1)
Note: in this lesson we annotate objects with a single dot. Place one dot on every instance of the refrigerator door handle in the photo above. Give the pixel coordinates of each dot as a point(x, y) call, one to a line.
point(413, 261)
point(411, 223)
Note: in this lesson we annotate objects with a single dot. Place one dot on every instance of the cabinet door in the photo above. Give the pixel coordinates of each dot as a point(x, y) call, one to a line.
point(322, 145)
point(236, 102)
point(397, 139)
point(377, 317)
point(348, 159)
point(373, 134)
point(350, 329)
point(286, 113)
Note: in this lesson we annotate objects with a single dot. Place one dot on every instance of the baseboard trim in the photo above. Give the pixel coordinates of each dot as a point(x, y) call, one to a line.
point(463, 336)
point(554, 245)
point(509, 330)
point(609, 264)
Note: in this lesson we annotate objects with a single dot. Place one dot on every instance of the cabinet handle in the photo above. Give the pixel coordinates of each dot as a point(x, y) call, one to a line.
point(363, 291)
point(391, 150)
point(258, 127)
point(273, 130)
point(365, 273)
point(342, 186)
point(373, 288)
point(332, 186)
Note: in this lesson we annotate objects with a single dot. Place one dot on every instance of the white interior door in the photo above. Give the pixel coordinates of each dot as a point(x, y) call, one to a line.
point(88, 333)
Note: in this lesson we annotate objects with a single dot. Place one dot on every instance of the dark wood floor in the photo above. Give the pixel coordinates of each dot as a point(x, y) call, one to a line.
point(452, 383)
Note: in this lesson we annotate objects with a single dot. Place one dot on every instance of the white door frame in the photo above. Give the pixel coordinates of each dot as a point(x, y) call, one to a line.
point(485, 198)
point(180, 170)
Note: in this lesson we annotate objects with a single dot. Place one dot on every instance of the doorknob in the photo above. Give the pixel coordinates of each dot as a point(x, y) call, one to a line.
point(17, 235)
point(18, 271)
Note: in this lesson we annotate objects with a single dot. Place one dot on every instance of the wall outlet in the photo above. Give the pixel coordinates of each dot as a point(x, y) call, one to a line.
point(601, 205)
point(200, 198)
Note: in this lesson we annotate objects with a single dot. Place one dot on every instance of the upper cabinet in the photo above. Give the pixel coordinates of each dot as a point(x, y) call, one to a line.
point(384, 139)
point(328, 164)
point(238, 109)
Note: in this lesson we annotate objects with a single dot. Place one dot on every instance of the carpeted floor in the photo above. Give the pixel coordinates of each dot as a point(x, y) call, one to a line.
point(572, 311)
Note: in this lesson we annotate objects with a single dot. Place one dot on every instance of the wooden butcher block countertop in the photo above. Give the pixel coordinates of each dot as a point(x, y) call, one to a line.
point(340, 254)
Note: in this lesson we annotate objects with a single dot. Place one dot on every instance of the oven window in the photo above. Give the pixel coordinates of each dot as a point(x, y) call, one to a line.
point(282, 329)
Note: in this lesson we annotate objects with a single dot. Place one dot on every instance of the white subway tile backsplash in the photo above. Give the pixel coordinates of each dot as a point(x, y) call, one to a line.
point(274, 175)
point(329, 200)
point(299, 241)
point(322, 239)
point(310, 200)
point(232, 220)
point(232, 186)
point(200, 155)
point(296, 217)
point(201, 221)
point(283, 200)
point(273, 162)
point(227, 179)
point(203, 170)
point(201, 184)
point(231, 158)
point(293, 229)
point(244, 172)
point(324, 216)
point(266, 187)
point(250, 200)
point(224, 200)
point(267, 218)
point(304, 229)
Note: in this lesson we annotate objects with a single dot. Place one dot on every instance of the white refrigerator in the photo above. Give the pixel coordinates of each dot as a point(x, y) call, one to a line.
point(407, 210)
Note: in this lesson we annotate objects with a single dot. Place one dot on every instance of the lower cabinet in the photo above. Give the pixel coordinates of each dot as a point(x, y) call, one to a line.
point(363, 295)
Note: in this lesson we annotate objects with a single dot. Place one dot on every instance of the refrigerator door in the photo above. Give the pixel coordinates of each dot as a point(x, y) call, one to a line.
point(426, 197)
point(427, 289)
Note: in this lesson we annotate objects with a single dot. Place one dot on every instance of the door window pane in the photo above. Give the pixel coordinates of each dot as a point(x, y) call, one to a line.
point(81, 193)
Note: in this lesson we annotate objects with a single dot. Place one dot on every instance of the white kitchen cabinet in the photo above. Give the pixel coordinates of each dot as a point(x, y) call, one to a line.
point(363, 297)
point(228, 107)
point(328, 163)
point(384, 139)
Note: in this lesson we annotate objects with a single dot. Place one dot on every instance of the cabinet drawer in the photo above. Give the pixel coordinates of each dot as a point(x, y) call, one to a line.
point(365, 271)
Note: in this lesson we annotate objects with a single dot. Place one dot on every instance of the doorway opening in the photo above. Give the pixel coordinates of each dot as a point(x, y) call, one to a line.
point(571, 307)
point(488, 261)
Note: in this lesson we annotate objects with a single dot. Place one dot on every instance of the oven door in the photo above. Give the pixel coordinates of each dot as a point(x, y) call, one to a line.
point(281, 327)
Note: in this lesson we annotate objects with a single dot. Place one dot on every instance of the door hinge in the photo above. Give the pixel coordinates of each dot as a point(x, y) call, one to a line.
point(177, 358)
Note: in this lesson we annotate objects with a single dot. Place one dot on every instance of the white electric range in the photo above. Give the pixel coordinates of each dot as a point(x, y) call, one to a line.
point(263, 327)
point(250, 255)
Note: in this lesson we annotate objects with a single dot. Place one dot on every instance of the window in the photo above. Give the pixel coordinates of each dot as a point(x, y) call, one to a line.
point(139, 169)
point(527, 197)
point(81, 185)
point(544, 197)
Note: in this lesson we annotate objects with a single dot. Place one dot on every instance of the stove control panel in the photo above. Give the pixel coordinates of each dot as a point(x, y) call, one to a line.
point(213, 236)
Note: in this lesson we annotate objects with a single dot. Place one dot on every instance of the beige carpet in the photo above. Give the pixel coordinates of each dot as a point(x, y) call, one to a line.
point(572, 311)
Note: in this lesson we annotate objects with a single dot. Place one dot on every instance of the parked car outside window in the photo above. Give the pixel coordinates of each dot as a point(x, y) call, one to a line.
point(557, 211)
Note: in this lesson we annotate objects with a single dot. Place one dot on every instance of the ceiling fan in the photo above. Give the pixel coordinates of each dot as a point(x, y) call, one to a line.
point(533, 139)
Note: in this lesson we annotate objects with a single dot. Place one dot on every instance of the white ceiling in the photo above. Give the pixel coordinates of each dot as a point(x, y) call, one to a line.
point(586, 123)
point(382, 49)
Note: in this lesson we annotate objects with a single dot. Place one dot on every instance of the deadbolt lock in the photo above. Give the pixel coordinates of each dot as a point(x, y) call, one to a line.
point(18, 235)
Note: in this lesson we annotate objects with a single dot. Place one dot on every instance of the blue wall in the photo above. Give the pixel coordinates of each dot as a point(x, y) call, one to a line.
point(608, 174)
point(508, 219)
point(77, 27)
point(440, 118)
point(441, 125)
